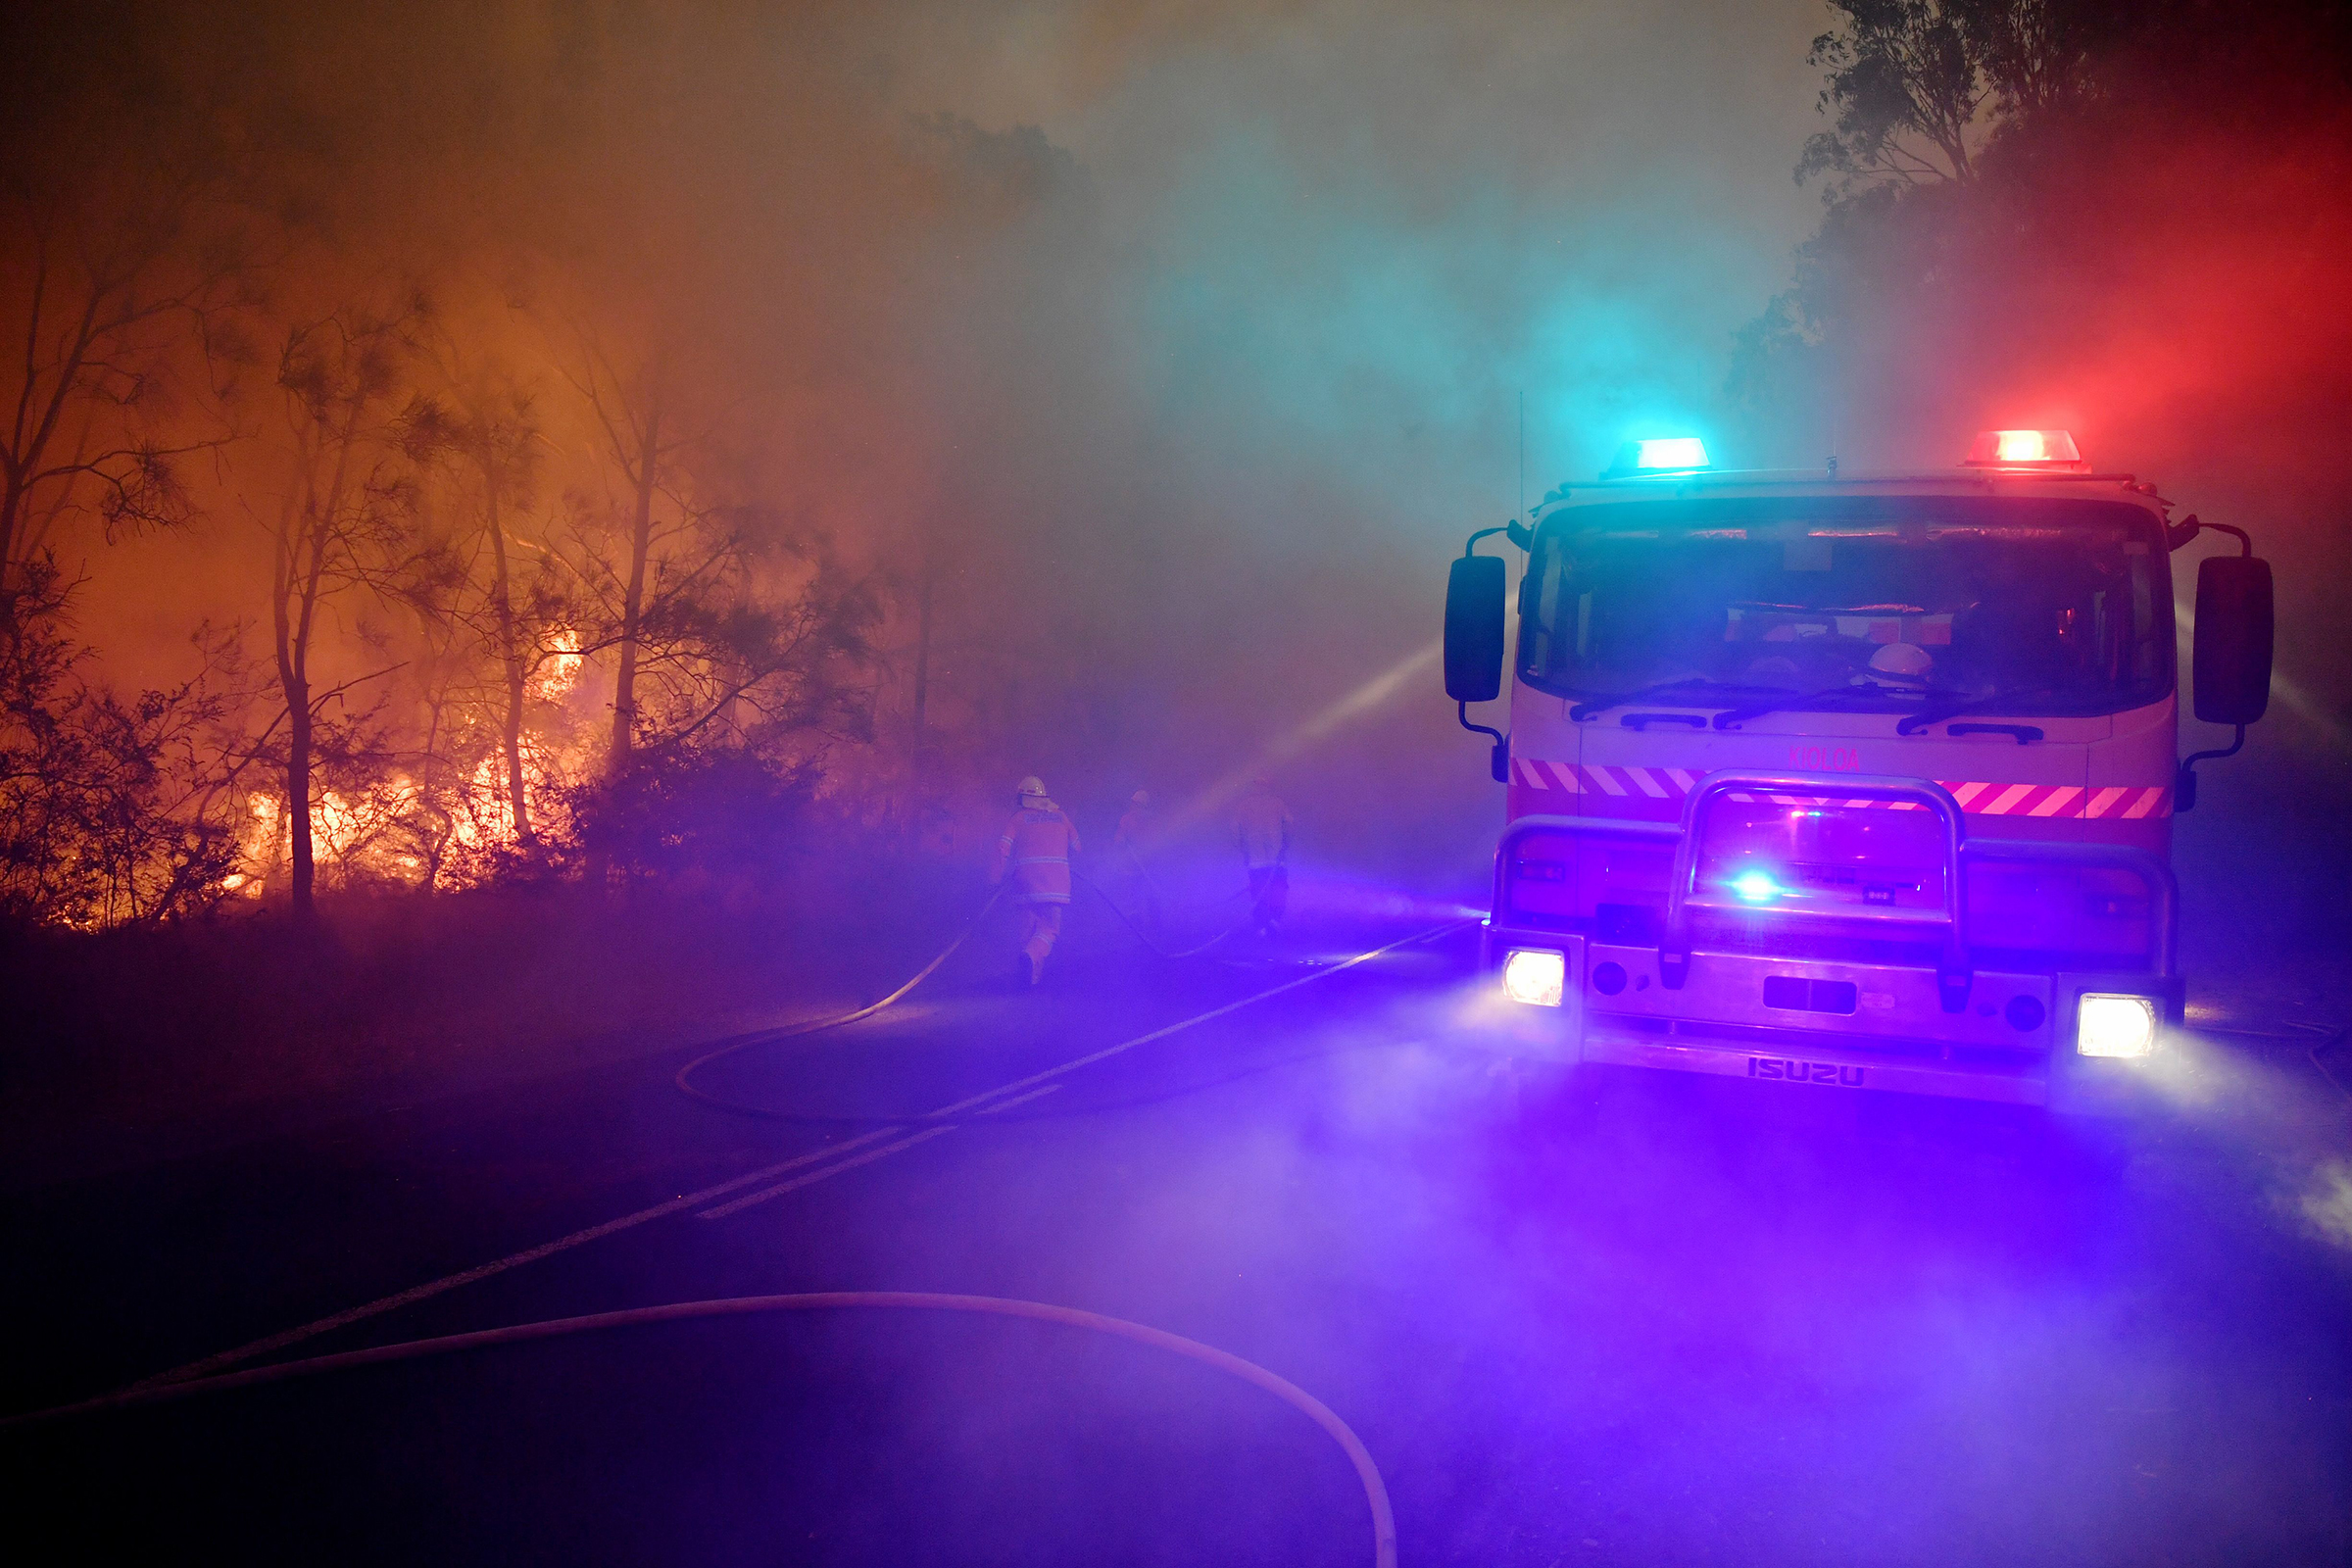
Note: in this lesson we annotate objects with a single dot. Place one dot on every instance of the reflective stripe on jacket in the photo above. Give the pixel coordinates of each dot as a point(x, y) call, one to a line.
point(1036, 848)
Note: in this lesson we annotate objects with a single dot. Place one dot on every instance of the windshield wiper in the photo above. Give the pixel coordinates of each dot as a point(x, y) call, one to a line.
point(1953, 706)
point(1660, 692)
point(1732, 718)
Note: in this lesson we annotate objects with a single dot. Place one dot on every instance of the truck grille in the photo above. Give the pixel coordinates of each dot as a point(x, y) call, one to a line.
point(1796, 994)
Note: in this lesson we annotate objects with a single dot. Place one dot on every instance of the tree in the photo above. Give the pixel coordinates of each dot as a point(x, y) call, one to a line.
point(119, 313)
point(499, 439)
point(1905, 96)
point(114, 811)
point(488, 424)
point(1940, 112)
point(733, 631)
point(629, 412)
point(344, 520)
point(1916, 89)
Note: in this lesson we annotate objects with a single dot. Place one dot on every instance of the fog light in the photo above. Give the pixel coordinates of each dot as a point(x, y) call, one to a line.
point(1536, 976)
point(2115, 1026)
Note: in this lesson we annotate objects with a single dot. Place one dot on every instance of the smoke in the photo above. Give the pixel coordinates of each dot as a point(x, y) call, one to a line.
point(1165, 351)
point(2159, 265)
point(1176, 345)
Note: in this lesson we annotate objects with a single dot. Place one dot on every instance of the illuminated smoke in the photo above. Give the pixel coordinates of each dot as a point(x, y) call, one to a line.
point(1175, 347)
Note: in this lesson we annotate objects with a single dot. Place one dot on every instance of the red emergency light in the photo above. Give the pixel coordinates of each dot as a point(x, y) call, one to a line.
point(2022, 449)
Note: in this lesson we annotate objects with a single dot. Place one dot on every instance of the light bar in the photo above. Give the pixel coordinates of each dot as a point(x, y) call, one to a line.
point(2017, 449)
point(1667, 455)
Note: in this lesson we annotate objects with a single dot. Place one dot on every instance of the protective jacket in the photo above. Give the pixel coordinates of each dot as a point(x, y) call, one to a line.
point(1138, 824)
point(1261, 827)
point(1036, 850)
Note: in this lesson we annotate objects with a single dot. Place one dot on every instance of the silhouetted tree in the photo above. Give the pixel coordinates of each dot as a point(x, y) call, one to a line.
point(733, 630)
point(1985, 157)
point(119, 304)
point(114, 811)
point(1915, 89)
point(345, 522)
point(640, 440)
point(486, 425)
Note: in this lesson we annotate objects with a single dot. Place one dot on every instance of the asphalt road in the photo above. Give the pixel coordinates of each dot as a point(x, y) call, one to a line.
point(1617, 1318)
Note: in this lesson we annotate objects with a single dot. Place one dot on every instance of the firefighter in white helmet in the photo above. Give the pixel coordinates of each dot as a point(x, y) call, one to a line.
point(1035, 851)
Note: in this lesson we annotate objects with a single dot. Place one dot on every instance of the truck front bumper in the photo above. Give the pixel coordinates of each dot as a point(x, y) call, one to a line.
point(1613, 1010)
point(1938, 1025)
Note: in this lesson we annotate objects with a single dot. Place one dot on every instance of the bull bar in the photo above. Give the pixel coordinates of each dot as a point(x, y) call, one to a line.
point(1711, 1010)
point(1960, 851)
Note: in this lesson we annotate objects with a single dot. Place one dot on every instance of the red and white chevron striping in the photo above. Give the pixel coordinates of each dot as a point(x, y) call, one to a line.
point(1977, 798)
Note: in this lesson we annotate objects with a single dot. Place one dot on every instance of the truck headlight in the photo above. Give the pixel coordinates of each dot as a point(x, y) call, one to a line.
point(2108, 1026)
point(1535, 975)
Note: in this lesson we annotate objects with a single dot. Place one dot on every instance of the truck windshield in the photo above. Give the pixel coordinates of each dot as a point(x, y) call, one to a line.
point(1868, 604)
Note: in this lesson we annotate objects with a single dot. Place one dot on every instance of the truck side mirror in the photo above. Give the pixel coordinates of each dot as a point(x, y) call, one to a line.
point(1474, 630)
point(2231, 665)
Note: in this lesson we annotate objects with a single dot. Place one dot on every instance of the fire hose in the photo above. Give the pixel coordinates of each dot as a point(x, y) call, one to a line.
point(684, 1078)
point(1376, 1494)
point(685, 1075)
point(1144, 937)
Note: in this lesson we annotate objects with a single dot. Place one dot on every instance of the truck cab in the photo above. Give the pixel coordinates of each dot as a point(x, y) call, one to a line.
point(1859, 781)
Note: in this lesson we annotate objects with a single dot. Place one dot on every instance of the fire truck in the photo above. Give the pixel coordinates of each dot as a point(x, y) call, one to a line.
point(1851, 780)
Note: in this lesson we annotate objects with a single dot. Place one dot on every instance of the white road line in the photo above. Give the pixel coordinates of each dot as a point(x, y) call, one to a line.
point(432, 1288)
point(1022, 1100)
point(1108, 1051)
point(816, 1176)
point(813, 1177)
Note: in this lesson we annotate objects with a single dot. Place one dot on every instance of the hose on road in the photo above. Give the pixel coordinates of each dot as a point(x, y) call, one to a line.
point(685, 1075)
point(683, 1080)
point(1144, 937)
point(1376, 1491)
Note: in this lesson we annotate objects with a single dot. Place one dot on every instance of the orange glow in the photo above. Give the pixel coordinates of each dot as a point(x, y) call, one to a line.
point(488, 821)
point(561, 672)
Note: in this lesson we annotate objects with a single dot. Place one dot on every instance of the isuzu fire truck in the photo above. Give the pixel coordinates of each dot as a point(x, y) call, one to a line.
point(1863, 781)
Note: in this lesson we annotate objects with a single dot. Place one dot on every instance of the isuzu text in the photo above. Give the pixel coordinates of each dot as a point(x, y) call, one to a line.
point(1860, 781)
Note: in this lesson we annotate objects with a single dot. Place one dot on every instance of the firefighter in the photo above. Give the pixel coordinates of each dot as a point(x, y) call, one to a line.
point(1139, 825)
point(1035, 851)
point(1261, 829)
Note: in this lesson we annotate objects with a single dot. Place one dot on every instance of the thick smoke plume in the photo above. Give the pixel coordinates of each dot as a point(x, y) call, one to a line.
point(1094, 391)
point(1135, 368)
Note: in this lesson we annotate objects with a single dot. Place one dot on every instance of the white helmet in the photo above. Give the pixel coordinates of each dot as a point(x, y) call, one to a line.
point(1903, 659)
point(1032, 785)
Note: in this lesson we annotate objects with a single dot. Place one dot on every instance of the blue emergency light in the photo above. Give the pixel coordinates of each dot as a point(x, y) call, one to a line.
point(1660, 454)
point(1673, 452)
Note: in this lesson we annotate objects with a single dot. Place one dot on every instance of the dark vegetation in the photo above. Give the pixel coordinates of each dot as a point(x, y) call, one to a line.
point(2123, 217)
point(131, 1043)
